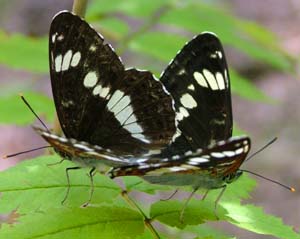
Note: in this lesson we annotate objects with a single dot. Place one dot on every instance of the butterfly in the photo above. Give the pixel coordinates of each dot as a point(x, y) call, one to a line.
point(203, 153)
point(108, 114)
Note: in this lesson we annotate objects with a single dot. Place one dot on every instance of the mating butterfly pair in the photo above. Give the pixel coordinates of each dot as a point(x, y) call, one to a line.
point(176, 131)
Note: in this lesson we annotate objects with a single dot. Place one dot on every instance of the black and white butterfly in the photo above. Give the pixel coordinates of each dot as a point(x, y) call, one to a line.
point(107, 113)
point(119, 117)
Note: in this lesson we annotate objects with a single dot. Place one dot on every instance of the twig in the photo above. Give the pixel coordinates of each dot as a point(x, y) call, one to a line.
point(147, 220)
point(143, 28)
point(79, 7)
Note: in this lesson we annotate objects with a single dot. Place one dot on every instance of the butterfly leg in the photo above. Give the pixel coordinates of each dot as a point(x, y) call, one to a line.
point(218, 199)
point(59, 162)
point(68, 180)
point(172, 195)
point(91, 175)
point(186, 203)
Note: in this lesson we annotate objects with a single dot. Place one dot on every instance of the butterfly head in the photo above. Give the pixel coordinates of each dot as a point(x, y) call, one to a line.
point(229, 178)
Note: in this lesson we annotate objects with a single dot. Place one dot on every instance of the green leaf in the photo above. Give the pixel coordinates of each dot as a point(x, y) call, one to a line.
point(33, 185)
point(92, 222)
point(111, 28)
point(236, 191)
point(166, 45)
point(237, 131)
point(246, 89)
point(141, 8)
point(138, 184)
point(206, 231)
point(198, 17)
point(196, 212)
point(253, 218)
point(14, 111)
point(22, 52)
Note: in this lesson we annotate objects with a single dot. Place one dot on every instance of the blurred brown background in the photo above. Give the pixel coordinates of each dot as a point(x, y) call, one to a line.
point(262, 121)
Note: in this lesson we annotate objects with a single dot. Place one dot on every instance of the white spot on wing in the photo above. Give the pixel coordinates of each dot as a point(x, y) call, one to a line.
point(226, 78)
point(83, 147)
point(239, 151)
point(181, 72)
point(53, 37)
point(198, 160)
point(58, 61)
point(220, 81)
point(217, 155)
point(90, 80)
point(104, 92)
point(176, 135)
point(117, 95)
point(97, 90)
point(187, 153)
point(131, 119)
point(63, 140)
point(200, 79)
point(141, 137)
point(66, 61)
point(229, 153)
point(60, 37)
point(75, 59)
point(125, 101)
point(124, 114)
point(92, 48)
point(182, 114)
point(175, 157)
point(133, 128)
point(188, 101)
point(191, 87)
point(210, 79)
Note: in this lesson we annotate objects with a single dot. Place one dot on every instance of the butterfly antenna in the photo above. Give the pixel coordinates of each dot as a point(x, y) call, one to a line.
point(30, 108)
point(24, 152)
point(271, 180)
point(264, 147)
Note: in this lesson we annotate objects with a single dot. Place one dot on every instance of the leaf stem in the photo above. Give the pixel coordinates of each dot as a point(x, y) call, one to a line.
point(147, 220)
point(154, 19)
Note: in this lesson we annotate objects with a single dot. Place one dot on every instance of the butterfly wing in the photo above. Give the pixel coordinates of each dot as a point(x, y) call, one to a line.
point(83, 152)
point(217, 161)
point(198, 80)
point(97, 100)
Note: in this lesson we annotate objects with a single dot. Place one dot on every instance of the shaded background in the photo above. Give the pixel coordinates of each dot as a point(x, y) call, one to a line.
point(260, 120)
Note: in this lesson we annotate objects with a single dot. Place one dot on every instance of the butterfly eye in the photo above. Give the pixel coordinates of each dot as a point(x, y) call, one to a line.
point(232, 177)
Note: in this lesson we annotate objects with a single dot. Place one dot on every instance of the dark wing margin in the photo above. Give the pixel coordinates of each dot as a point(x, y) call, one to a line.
point(97, 100)
point(198, 80)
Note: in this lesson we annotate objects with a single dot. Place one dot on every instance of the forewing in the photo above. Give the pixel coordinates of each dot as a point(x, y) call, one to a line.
point(198, 80)
point(97, 100)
